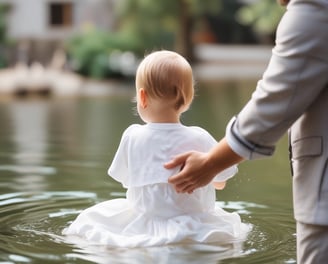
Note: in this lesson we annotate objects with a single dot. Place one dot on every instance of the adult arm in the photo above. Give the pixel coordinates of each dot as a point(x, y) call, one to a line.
point(295, 77)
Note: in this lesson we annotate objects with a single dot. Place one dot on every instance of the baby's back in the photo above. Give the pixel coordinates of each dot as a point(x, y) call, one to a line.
point(161, 200)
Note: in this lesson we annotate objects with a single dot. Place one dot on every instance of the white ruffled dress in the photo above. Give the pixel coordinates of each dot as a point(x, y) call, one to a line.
point(153, 214)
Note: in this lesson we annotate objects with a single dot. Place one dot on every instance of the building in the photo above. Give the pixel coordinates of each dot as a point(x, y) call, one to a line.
point(39, 27)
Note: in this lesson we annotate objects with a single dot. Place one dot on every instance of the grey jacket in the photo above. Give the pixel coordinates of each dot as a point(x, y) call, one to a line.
point(293, 93)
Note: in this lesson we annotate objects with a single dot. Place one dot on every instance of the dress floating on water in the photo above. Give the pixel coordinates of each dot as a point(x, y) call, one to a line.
point(152, 216)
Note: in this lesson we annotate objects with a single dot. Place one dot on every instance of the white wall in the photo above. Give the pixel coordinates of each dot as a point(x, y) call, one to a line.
point(29, 18)
point(26, 18)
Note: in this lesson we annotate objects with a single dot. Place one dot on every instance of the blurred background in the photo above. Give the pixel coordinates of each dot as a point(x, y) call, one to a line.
point(104, 39)
point(67, 71)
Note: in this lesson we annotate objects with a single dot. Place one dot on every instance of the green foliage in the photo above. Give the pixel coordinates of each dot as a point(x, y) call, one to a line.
point(201, 7)
point(146, 25)
point(263, 16)
point(3, 29)
point(89, 52)
point(153, 23)
point(164, 24)
point(3, 33)
point(171, 23)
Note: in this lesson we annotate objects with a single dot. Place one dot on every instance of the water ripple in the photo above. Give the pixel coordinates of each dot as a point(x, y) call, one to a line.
point(32, 222)
point(28, 169)
point(273, 238)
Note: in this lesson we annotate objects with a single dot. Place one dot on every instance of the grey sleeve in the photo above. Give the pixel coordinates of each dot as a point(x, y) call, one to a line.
point(294, 78)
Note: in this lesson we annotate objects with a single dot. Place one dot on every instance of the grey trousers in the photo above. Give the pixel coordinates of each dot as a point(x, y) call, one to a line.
point(312, 244)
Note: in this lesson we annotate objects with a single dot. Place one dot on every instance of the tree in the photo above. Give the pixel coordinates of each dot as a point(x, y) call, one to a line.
point(263, 16)
point(164, 23)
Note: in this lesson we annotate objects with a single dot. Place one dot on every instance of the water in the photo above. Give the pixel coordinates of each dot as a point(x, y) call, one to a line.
point(54, 154)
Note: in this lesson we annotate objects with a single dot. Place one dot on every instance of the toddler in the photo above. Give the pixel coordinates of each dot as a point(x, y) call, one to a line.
point(153, 214)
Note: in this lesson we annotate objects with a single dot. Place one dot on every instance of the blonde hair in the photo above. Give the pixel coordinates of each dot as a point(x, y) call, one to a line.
point(166, 74)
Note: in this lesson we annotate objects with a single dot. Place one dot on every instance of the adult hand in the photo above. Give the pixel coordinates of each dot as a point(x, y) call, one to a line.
point(196, 171)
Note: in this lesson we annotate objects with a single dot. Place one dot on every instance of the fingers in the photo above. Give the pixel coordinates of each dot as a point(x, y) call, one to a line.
point(184, 188)
point(182, 183)
point(181, 180)
point(177, 179)
point(178, 160)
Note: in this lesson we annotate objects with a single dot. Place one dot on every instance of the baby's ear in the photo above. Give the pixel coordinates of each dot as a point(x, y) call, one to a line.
point(143, 97)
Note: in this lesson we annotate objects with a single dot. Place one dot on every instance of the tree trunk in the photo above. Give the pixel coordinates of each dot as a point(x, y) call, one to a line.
point(184, 44)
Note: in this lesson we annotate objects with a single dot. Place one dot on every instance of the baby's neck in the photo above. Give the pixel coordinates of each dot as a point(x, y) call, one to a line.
point(159, 111)
point(164, 119)
point(163, 115)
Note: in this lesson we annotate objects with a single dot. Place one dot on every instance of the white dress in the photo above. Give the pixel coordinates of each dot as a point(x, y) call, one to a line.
point(153, 214)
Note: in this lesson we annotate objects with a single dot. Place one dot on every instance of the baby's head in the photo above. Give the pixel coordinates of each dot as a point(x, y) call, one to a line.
point(167, 76)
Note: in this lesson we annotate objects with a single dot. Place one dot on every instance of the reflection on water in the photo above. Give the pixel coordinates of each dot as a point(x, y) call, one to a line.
point(53, 161)
point(29, 134)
